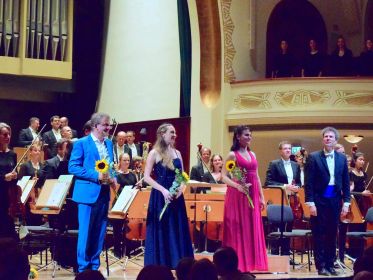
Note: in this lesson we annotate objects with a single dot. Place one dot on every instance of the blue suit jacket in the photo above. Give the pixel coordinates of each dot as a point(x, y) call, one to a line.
point(317, 176)
point(82, 165)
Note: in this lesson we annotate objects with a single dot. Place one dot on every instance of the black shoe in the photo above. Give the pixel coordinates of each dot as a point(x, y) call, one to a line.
point(292, 262)
point(332, 271)
point(324, 272)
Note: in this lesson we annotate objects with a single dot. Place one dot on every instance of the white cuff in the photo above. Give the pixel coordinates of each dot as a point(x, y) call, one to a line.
point(311, 203)
point(347, 204)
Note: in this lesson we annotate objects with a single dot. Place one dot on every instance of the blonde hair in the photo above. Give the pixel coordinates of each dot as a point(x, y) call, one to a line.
point(121, 158)
point(161, 146)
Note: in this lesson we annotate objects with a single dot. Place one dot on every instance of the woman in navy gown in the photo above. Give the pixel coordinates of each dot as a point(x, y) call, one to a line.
point(167, 240)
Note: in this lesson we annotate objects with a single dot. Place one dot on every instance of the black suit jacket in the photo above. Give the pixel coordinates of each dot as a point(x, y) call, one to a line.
point(115, 152)
point(276, 174)
point(25, 137)
point(26, 169)
point(196, 173)
point(317, 176)
point(50, 139)
point(128, 150)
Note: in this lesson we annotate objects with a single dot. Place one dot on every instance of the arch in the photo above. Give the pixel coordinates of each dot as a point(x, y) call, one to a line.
point(297, 21)
point(368, 21)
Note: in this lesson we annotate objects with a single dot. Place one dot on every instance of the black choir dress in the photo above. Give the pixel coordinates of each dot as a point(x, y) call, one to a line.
point(8, 161)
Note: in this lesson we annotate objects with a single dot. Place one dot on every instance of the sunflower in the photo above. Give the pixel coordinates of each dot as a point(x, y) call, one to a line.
point(102, 166)
point(33, 274)
point(186, 176)
point(230, 165)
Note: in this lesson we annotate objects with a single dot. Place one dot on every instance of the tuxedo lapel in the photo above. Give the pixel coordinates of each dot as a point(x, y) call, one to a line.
point(282, 169)
point(323, 161)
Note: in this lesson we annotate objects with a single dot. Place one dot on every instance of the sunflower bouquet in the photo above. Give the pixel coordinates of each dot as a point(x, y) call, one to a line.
point(103, 166)
point(33, 274)
point(238, 174)
point(180, 177)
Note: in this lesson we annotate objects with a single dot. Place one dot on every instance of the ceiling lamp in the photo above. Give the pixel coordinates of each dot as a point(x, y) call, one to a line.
point(353, 139)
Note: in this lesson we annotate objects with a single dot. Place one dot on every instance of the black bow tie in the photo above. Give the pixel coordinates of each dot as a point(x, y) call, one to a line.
point(330, 155)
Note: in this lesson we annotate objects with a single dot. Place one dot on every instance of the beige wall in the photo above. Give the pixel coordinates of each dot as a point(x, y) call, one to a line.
point(141, 76)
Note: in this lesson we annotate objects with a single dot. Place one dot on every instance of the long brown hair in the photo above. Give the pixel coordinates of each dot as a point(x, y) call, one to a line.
point(161, 146)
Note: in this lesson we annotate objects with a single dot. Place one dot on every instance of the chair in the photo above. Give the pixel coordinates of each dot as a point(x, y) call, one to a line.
point(363, 234)
point(274, 217)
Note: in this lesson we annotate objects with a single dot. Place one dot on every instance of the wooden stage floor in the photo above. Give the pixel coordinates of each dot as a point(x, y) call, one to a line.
point(135, 265)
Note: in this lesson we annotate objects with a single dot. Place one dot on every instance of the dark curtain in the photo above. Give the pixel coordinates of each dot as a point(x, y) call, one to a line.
point(185, 57)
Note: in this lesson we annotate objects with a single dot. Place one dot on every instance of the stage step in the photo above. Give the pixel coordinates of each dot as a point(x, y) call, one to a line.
point(276, 264)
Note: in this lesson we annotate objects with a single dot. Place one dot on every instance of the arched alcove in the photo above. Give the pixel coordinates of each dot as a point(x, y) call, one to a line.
point(368, 21)
point(296, 21)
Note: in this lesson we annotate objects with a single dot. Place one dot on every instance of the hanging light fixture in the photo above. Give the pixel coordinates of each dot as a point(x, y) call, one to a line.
point(353, 139)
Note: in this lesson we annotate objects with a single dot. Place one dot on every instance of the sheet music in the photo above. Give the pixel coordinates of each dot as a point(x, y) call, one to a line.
point(57, 194)
point(23, 182)
point(65, 178)
point(27, 190)
point(125, 199)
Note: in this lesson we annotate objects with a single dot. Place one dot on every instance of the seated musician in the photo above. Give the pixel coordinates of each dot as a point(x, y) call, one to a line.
point(286, 173)
point(138, 171)
point(32, 168)
point(214, 175)
point(124, 178)
point(197, 171)
point(51, 167)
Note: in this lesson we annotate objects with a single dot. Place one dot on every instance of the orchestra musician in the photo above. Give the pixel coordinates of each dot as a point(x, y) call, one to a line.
point(124, 178)
point(286, 173)
point(52, 136)
point(215, 176)
point(27, 135)
point(120, 140)
point(301, 158)
point(8, 180)
point(33, 169)
point(197, 171)
point(358, 181)
point(326, 183)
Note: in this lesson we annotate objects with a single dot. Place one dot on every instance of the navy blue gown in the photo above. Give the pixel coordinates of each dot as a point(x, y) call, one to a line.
point(167, 241)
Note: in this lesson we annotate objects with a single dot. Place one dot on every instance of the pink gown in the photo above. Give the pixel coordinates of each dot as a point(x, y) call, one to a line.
point(243, 226)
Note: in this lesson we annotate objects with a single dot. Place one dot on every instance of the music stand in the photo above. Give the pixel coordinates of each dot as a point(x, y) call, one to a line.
point(136, 208)
point(199, 205)
point(282, 203)
point(50, 202)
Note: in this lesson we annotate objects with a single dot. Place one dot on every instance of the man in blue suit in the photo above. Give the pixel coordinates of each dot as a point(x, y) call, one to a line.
point(326, 185)
point(92, 190)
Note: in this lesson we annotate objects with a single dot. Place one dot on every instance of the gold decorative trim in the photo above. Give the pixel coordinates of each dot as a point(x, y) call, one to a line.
point(302, 97)
point(354, 98)
point(252, 101)
point(229, 50)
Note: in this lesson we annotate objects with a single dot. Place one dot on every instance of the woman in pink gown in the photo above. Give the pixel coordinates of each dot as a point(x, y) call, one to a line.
point(243, 227)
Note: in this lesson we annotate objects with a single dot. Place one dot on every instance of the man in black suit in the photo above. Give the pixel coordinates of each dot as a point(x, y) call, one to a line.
point(326, 184)
point(52, 136)
point(64, 121)
point(131, 148)
point(27, 135)
point(51, 168)
point(119, 145)
point(286, 173)
point(197, 171)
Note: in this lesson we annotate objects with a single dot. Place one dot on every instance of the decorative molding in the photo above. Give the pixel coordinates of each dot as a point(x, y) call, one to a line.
point(302, 97)
point(355, 98)
point(252, 101)
point(229, 50)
